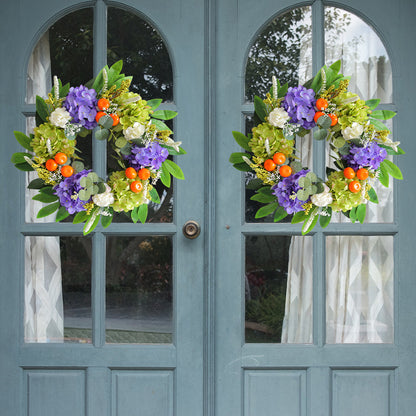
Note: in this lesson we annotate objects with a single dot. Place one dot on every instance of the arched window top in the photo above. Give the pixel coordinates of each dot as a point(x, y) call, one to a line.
point(284, 48)
point(67, 48)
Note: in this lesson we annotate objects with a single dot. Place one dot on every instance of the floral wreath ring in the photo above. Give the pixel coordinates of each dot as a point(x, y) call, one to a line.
point(358, 142)
point(139, 138)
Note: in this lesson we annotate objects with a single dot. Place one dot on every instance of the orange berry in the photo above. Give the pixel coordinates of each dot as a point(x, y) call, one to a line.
point(144, 174)
point(362, 174)
point(51, 165)
point(279, 158)
point(136, 186)
point(99, 115)
point(285, 171)
point(67, 171)
point(317, 115)
point(334, 119)
point(321, 104)
point(269, 165)
point(116, 119)
point(131, 173)
point(349, 173)
point(61, 158)
point(103, 104)
point(354, 186)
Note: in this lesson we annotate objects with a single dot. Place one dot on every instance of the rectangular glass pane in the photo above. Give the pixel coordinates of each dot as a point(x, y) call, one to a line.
point(57, 289)
point(359, 289)
point(139, 290)
point(278, 289)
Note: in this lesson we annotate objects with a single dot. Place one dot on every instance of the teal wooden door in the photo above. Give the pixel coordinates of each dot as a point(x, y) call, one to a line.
point(205, 349)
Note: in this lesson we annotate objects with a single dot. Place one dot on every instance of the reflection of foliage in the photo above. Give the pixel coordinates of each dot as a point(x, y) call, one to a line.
point(278, 48)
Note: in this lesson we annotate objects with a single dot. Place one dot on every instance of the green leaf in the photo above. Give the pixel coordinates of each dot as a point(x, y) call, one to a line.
point(307, 227)
point(80, 217)
point(155, 103)
point(299, 217)
point(324, 121)
point(160, 125)
point(84, 195)
point(106, 121)
point(336, 66)
point(165, 175)
point(353, 214)
point(372, 104)
point(91, 222)
point(324, 220)
point(237, 157)
point(263, 198)
point(254, 184)
point(142, 214)
point(45, 198)
point(164, 114)
point(243, 167)
point(383, 114)
point(383, 176)
point(120, 142)
point(106, 220)
point(174, 169)
point(339, 142)
point(154, 196)
point(24, 167)
point(102, 134)
point(242, 140)
point(48, 210)
point(280, 214)
point(260, 108)
point(361, 212)
point(23, 140)
point(377, 124)
point(266, 210)
point(391, 151)
point(282, 91)
point(78, 166)
point(61, 214)
point(42, 108)
point(116, 67)
point(171, 150)
point(266, 190)
point(135, 214)
point(48, 190)
point(392, 169)
point(36, 184)
point(320, 134)
point(20, 157)
point(373, 195)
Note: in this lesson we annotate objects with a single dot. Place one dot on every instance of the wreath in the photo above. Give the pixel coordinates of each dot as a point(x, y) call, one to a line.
point(358, 142)
point(139, 139)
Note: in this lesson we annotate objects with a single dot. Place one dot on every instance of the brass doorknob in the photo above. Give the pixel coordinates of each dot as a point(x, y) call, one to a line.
point(191, 229)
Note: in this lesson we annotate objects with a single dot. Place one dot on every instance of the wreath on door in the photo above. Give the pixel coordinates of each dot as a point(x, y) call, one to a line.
point(358, 140)
point(138, 136)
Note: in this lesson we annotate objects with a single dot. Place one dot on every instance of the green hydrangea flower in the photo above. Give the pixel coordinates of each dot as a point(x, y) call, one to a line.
point(125, 199)
point(277, 141)
point(351, 109)
point(343, 198)
point(137, 111)
point(58, 142)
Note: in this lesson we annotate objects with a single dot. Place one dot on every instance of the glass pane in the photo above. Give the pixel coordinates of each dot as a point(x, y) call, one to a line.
point(65, 50)
point(139, 290)
point(57, 289)
point(283, 49)
point(144, 53)
point(278, 286)
point(363, 55)
point(359, 292)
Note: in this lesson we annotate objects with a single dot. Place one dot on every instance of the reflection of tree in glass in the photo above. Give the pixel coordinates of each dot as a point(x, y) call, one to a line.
point(144, 54)
point(283, 48)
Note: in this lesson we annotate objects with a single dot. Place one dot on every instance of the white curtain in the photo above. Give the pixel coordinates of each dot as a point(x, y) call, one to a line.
point(43, 317)
point(359, 269)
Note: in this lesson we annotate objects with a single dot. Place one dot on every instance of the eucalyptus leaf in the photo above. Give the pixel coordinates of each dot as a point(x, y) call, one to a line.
point(85, 181)
point(84, 195)
point(102, 134)
point(95, 189)
point(301, 181)
point(313, 190)
point(311, 176)
point(302, 195)
point(78, 166)
point(296, 166)
point(320, 134)
point(101, 187)
point(93, 177)
point(319, 188)
point(339, 142)
point(121, 142)
point(324, 121)
point(106, 121)
point(126, 149)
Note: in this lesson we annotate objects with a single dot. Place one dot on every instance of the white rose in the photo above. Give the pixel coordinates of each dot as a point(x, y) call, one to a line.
point(105, 199)
point(353, 132)
point(323, 199)
point(135, 131)
point(278, 117)
point(59, 117)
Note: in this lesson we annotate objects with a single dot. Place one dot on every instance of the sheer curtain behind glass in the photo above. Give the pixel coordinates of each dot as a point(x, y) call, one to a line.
point(43, 317)
point(359, 272)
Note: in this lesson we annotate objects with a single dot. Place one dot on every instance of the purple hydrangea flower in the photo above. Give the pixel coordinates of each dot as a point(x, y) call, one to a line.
point(67, 192)
point(299, 104)
point(286, 191)
point(80, 103)
point(153, 156)
point(369, 156)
